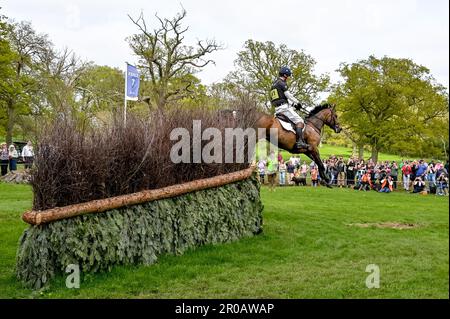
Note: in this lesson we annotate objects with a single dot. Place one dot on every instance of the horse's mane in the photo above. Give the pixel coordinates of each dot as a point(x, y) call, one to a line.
point(318, 108)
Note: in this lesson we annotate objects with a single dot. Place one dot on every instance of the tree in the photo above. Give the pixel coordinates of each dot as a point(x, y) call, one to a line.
point(390, 103)
point(6, 70)
point(99, 88)
point(164, 58)
point(27, 48)
point(258, 66)
point(59, 73)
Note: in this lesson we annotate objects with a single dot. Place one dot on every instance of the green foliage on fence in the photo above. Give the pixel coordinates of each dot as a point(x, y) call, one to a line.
point(138, 234)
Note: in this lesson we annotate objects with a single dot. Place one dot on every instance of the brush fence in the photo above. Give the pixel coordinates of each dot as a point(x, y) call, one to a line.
point(137, 228)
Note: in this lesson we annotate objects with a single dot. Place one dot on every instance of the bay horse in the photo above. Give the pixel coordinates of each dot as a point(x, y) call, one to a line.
point(318, 117)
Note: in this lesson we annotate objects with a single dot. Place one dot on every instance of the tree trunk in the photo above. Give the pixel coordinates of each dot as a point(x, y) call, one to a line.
point(374, 155)
point(361, 152)
point(161, 100)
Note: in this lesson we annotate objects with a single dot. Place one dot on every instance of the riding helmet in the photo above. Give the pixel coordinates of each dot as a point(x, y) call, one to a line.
point(284, 70)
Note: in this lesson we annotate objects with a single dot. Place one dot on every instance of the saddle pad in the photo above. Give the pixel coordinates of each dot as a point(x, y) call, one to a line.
point(287, 126)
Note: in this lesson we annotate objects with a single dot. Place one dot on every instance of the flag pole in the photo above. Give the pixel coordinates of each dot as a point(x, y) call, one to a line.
point(125, 97)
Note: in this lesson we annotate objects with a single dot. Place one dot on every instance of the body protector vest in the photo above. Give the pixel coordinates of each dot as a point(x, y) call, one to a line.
point(277, 90)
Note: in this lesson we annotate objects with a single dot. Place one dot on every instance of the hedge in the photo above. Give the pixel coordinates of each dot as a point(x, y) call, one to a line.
point(139, 234)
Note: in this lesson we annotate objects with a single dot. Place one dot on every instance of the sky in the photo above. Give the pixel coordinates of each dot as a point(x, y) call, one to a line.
point(330, 31)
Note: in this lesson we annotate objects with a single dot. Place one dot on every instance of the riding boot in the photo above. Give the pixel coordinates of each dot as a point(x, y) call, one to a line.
point(300, 141)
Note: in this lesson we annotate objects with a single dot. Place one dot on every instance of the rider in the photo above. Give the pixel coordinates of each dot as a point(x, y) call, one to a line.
point(280, 98)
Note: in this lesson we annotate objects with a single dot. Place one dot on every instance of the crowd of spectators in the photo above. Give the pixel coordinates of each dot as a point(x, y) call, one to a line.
point(9, 157)
point(415, 176)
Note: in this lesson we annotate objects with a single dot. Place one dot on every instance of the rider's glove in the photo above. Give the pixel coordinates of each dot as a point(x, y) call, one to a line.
point(298, 106)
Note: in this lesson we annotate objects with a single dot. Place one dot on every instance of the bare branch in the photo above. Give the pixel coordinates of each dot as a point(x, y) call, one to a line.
point(165, 56)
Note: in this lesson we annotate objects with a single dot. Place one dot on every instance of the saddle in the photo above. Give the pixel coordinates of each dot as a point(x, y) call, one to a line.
point(286, 123)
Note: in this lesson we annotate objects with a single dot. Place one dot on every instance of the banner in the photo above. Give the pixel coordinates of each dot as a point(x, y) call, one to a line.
point(132, 83)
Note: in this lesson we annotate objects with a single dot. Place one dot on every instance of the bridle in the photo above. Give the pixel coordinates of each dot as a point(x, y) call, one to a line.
point(332, 123)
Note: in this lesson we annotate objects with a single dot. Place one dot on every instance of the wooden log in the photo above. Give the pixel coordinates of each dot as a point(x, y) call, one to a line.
point(102, 205)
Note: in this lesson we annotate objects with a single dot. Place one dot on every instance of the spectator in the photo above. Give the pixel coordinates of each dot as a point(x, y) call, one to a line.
point(312, 165)
point(295, 160)
point(387, 184)
point(431, 175)
point(366, 182)
point(304, 168)
point(314, 176)
point(332, 171)
point(28, 155)
point(406, 172)
point(4, 159)
point(377, 177)
point(13, 156)
point(282, 170)
point(371, 169)
point(376, 185)
point(290, 171)
point(440, 169)
point(340, 166)
point(394, 173)
point(421, 170)
point(351, 166)
point(442, 185)
point(272, 167)
point(402, 162)
point(262, 170)
point(414, 167)
point(280, 157)
point(359, 174)
point(419, 185)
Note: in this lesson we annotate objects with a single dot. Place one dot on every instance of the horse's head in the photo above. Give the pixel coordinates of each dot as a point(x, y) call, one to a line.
point(333, 119)
point(327, 114)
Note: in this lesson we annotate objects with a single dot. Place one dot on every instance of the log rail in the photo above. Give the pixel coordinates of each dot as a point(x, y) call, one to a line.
point(101, 205)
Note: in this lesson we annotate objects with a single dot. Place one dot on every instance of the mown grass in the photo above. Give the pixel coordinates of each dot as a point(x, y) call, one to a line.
point(307, 250)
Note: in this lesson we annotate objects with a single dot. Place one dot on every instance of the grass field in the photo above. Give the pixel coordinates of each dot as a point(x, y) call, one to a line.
point(307, 250)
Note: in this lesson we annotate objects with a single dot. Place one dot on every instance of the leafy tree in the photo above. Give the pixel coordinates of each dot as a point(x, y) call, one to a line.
point(99, 88)
point(390, 104)
point(6, 71)
point(27, 48)
point(258, 66)
point(165, 60)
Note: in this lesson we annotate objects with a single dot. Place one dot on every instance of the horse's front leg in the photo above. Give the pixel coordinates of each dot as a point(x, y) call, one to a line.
point(314, 155)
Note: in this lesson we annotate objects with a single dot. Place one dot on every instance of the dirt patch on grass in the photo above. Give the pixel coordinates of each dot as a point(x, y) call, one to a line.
point(393, 225)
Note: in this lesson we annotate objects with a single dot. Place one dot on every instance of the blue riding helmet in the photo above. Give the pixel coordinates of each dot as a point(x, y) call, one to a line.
point(284, 70)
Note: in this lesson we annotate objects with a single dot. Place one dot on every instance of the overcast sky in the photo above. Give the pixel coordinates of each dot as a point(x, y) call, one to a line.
point(331, 31)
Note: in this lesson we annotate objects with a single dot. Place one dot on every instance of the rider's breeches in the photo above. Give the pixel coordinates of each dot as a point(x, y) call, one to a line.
point(289, 111)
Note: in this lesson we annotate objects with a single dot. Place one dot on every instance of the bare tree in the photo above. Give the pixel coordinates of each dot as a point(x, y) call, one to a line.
point(165, 60)
point(60, 73)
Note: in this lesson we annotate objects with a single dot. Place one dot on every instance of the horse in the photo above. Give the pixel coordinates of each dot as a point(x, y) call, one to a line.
point(318, 117)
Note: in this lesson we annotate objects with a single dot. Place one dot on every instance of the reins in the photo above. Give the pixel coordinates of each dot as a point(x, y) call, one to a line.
point(307, 120)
